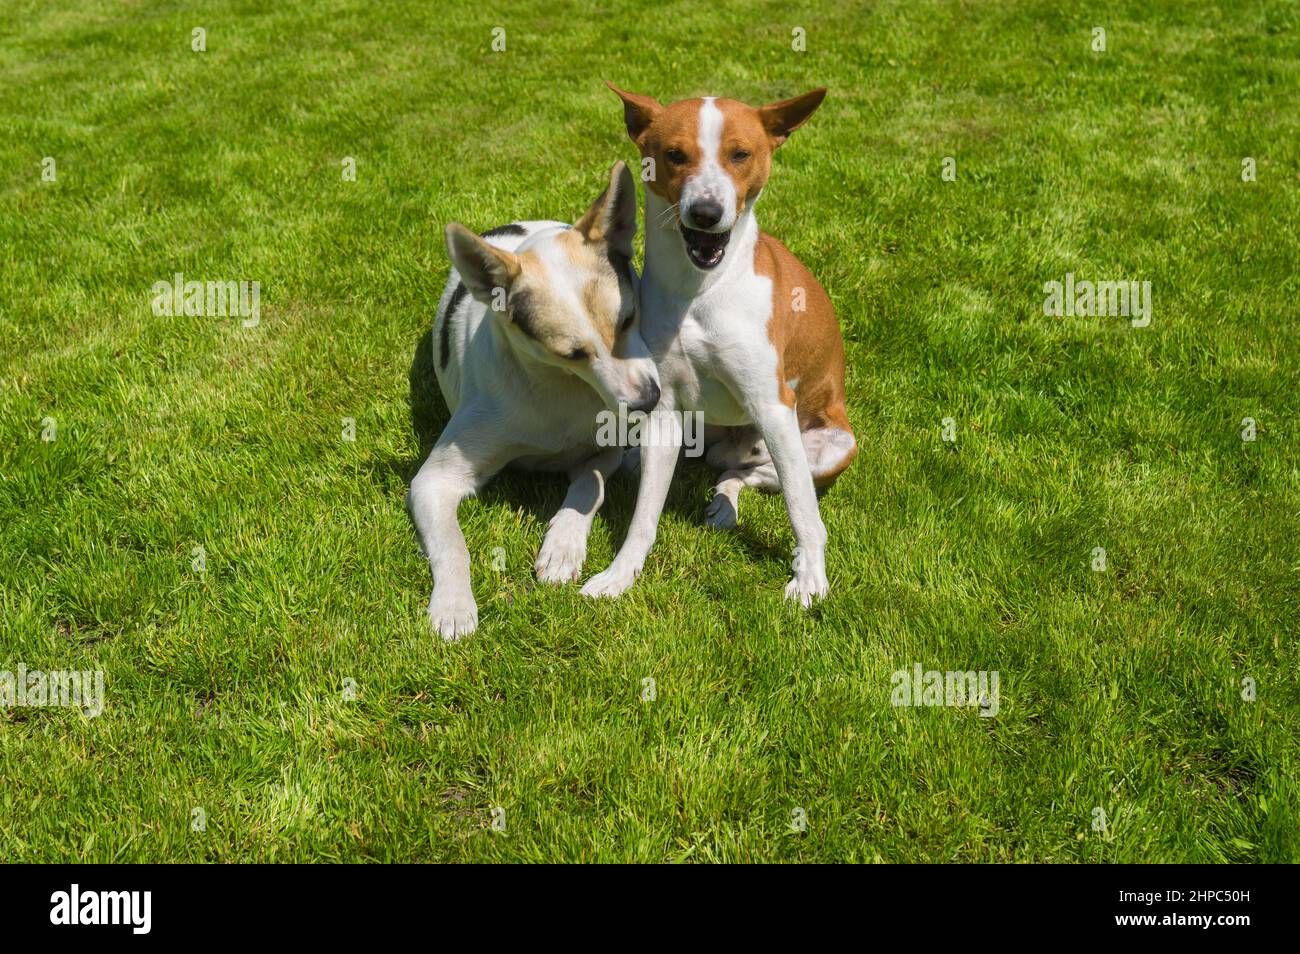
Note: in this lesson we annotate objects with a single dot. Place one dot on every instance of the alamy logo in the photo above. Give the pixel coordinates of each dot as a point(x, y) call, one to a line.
point(77, 690)
point(922, 687)
point(178, 297)
point(103, 907)
point(624, 428)
point(1098, 299)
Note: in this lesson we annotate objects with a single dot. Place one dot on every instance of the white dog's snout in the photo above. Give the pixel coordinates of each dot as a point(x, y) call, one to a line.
point(647, 395)
point(632, 382)
point(640, 390)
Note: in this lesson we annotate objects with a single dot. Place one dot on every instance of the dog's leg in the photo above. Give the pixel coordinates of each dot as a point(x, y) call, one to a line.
point(780, 428)
point(724, 509)
point(461, 462)
point(564, 548)
point(742, 456)
point(830, 447)
point(658, 461)
point(829, 450)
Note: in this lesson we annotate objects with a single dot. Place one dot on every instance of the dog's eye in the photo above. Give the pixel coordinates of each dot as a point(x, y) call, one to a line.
point(578, 354)
point(739, 156)
point(676, 157)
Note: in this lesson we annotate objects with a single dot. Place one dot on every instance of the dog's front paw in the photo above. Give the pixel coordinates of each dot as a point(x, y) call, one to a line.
point(452, 614)
point(809, 584)
point(563, 551)
point(612, 582)
point(721, 514)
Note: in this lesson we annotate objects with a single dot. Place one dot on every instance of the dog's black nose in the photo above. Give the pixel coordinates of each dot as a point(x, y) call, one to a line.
point(647, 404)
point(706, 213)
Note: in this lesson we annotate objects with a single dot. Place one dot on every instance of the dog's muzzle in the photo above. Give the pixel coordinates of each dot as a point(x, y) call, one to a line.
point(649, 398)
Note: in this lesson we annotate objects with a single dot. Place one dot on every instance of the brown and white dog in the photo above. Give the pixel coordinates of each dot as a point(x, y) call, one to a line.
point(738, 328)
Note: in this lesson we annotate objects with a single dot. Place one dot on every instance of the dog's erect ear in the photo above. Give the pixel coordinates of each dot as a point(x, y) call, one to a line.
point(612, 217)
point(781, 119)
point(638, 111)
point(483, 268)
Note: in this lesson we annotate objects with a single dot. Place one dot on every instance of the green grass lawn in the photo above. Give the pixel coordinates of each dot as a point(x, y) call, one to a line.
point(290, 696)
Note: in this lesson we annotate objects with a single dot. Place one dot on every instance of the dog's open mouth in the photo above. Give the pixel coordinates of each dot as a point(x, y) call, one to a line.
point(705, 248)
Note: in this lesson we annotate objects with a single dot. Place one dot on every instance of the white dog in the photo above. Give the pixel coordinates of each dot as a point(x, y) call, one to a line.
point(535, 335)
